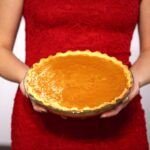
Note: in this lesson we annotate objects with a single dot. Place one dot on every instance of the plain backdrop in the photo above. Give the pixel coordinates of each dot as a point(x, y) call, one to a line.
point(8, 89)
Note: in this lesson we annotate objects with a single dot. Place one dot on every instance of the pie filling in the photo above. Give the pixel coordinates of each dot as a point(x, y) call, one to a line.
point(80, 82)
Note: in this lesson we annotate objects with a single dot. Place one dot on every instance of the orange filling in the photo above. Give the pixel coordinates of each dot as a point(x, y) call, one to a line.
point(78, 81)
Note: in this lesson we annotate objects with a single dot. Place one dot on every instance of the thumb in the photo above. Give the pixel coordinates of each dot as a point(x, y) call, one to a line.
point(22, 88)
point(134, 90)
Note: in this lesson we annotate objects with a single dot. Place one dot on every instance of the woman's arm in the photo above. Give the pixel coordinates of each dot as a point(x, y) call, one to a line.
point(10, 14)
point(141, 68)
point(12, 68)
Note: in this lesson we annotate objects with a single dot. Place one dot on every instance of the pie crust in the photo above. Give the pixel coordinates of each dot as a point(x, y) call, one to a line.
point(78, 83)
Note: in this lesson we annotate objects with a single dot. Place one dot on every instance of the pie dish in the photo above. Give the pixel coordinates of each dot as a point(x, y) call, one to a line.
point(78, 83)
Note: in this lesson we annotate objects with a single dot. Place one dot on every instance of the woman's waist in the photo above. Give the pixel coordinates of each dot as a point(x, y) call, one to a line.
point(50, 41)
point(33, 56)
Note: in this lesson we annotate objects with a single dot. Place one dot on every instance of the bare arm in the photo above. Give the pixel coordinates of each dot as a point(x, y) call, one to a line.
point(10, 14)
point(12, 68)
point(141, 68)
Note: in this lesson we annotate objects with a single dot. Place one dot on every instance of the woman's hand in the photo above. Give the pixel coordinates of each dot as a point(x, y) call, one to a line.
point(134, 91)
point(36, 106)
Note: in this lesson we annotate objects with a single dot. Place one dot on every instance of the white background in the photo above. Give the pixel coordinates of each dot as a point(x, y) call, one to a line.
point(8, 89)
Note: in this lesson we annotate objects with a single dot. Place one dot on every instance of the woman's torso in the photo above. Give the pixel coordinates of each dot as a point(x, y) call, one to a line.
point(105, 26)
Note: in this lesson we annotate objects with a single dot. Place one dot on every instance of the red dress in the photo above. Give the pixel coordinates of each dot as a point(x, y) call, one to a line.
point(59, 25)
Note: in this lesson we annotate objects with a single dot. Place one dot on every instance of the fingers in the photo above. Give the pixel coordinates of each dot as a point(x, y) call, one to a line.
point(115, 111)
point(64, 117)
point(134, 91)
point(38, 108)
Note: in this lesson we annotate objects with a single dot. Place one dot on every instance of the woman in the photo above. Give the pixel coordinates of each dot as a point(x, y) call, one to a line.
point(51, 26)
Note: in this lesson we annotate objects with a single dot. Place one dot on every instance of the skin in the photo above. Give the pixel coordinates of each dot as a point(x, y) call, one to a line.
point(8, 31)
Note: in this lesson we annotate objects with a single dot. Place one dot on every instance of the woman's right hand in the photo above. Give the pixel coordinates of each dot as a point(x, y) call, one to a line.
point(36, 107)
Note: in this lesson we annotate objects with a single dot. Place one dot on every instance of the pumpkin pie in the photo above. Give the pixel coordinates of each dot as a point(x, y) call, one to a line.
point(78, 83)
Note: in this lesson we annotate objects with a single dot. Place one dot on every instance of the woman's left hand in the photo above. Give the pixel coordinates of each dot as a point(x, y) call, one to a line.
point(134, 91)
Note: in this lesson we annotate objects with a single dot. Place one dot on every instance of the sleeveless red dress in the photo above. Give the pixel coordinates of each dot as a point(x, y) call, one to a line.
point(59, 25)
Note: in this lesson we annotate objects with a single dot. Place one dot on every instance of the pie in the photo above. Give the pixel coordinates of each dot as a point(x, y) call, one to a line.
point(78, 83)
